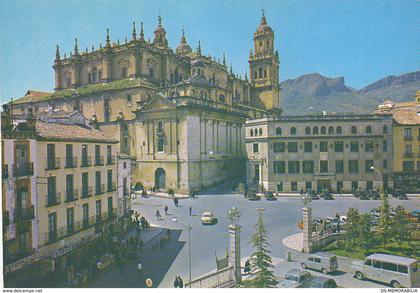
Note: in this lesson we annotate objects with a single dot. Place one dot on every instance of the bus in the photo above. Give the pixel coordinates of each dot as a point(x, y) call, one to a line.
point(396, 271)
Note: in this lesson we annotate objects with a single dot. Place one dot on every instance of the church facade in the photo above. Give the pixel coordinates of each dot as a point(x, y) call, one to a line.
point(179, 114)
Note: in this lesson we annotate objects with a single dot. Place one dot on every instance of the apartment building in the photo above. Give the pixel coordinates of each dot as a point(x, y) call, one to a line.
point(293, 153)
point(59, 188)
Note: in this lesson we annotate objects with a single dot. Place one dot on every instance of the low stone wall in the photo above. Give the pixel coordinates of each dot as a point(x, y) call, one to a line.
point(319, 242)
point(214, 279)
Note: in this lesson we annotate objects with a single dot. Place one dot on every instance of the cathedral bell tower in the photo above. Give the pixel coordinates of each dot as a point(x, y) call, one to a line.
point(264, 67)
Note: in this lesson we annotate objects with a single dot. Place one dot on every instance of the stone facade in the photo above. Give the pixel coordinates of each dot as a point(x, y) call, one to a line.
point(293, 153)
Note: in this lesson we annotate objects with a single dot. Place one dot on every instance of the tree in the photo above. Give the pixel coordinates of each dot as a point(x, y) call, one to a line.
point(365, 239)
point(400, 227)
point(352, 228)
point(385, 222)
point(260, 260)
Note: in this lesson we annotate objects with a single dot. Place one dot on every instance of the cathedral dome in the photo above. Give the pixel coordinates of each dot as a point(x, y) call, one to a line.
point(183, 48)
point(264, 27)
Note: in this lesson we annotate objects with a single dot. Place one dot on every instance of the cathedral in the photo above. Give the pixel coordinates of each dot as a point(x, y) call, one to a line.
point(179, 114)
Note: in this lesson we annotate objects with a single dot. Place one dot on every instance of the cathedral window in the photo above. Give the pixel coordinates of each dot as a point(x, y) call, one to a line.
point(369, 129)
point(124, 72)
point(106, 110)
point(151, 73)
point(293, 131)
point(307, 130)
point(267, 44)
point(260, 45)
point(265, 73)
point(94, 75)
point(260, 73)
point(255, 75)
point(353, 129)
point(278, 131)
point(89, 77)
point(330, 130)
point(251, 133)
point(99, 76)
point(315, 130)
point(260, 132)
point(323, 130)
point(338, 130)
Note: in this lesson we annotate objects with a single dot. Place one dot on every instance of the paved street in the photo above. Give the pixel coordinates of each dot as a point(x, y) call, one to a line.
point(281, 218)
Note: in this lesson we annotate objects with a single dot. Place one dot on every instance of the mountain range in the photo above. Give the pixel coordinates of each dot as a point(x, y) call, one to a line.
point(314, 93)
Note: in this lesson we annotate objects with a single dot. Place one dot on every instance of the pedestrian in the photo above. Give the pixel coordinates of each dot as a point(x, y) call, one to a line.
point(157, 214)
point(139, 266)
point(190, 208)
point(176, 282)
point(166, 210)
point(181, 282)
point(176, 202)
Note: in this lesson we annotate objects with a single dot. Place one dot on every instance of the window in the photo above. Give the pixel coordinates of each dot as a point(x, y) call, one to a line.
point(402, 269)
point(308, 185)
point(389, 266)
point(52, 226)
point(292, 147)
point(260, 131)
point(307, 130)
point(97, 154)
point(279, 186)
point(109, 179)
point(124, 72)
point(68, 82)
point(353, 129)
point(160, 144)
point(85, 210)
point(368, 165)
point(354, 185)
point(222, 99)
point(323, 146)
point(377, 264)
point(368, 129)
point(69, 187)
point(98, 210)
point(384, 129)
point(315, 130)
point(339, 166)
point(279, 147)
point(385, 146)
point(294, 186)
point(265, 73)
point(260, 72)
point(85, 182)
point(418, 165)
point(70, 220)
point(408, 166)
point(354, 146)
point(293, 131)
point(279, 167)
point(51, 156)
point(308, 167)
point(256, 132)
point(98, 182)
point(110, 207)
point(255, 147)
point(109, 154)
point(151, 74)
point(339, 130)
point(106, 110)
point(408, 150)
point(353, 166)
point(323, 166)
point(307, 147)
point(330, 130)
point(338, 146)
point(278, 131)
point(323, 130)
point(385, 164)
point(94, 74)
point(69, 155)
point(407, 133)
point(251, 133)
point(52, 190)
point(293, 167)
point(369, 146)
point(129, 99)
point(89, 77)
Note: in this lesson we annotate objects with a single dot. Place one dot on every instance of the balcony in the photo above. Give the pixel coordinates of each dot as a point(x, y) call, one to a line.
point(71, 162)
point(23, 169)
point(408, 138)
point(87, 192)
point(24, 214)
point(110, 160)
point(99, 189)
point(86, 161)
point(111, 187)
point(72, 195)
point(53, 163)
point(6, 218)
point(99, 160)
point(4, 171)
point(53, 199)
point(408, 155)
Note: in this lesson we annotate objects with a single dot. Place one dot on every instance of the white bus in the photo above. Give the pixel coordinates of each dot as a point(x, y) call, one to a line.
point(395, 270)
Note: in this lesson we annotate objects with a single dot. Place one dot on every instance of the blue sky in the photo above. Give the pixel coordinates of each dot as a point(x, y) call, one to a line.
point(362, 40)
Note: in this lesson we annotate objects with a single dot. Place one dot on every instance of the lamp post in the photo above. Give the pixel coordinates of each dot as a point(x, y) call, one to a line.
point(380, 174)
point(189, 244)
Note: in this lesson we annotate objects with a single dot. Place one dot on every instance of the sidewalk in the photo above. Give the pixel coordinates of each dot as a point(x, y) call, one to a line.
point(145, 235)
point(161, 195)
point(294, 242)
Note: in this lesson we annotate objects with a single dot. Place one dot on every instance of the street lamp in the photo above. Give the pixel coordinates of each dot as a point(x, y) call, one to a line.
point(377, 170)
point(189, 243)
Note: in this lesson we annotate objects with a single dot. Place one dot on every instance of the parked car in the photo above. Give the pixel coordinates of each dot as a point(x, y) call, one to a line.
point(270, 196)
point(105, 261)
point(321, 282)
point(208, 218)
point(312, 194)
point(328, 195)
point(321, 261)
point(253, 197)
point(295, 278)
point(397, 271)
point(373, 194)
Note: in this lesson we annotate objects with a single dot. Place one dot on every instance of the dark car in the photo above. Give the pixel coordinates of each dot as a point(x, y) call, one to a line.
point(373, 194)
point(253, 197)
point(270, 196)
point(400, 194)
point(312, 194)
point(364, 195)
point(322, 282)
point(328, 195)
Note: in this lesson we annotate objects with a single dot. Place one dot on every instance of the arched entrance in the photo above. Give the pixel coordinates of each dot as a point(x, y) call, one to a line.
point(160, 178)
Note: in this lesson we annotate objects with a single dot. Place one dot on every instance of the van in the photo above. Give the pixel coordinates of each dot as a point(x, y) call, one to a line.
point(397, 271)
point(321, 261)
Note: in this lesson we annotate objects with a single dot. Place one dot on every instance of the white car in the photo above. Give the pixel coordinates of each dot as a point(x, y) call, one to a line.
point(208, 218)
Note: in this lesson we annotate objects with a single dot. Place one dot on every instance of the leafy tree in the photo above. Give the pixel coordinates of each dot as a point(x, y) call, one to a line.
point(352, 229)
point(365, 239)
point(400, 227)
point(385, 222)
point(260, 260)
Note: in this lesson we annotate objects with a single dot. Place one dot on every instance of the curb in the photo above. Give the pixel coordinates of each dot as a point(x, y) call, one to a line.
point(167, 197)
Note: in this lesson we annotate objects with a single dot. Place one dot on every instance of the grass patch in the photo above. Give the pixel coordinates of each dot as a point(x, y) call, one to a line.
point(408, 249)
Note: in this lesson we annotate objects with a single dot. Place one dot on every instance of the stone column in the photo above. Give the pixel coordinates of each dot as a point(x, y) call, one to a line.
point(307, 229)
point(235, 251)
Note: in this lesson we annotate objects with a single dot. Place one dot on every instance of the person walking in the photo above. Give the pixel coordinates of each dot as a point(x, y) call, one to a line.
point(157, 214)
point(166, 210)
point(176, 282)
point(180, 282)
point(190, 208)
